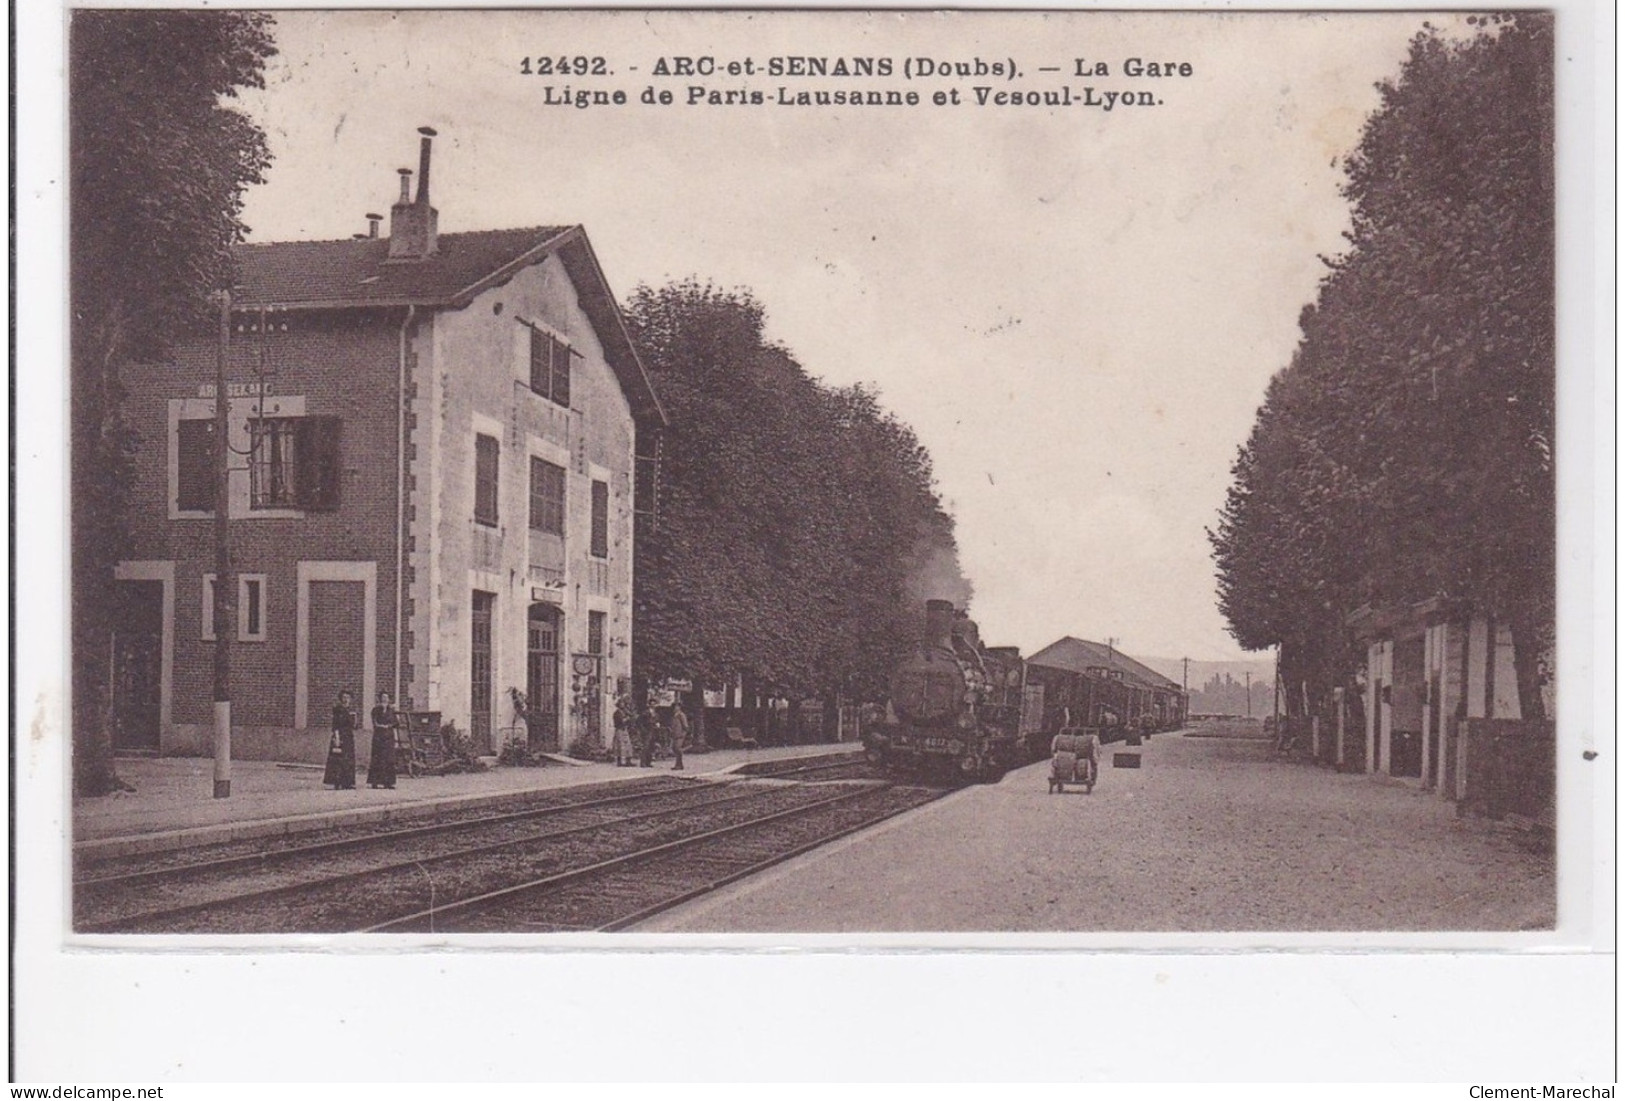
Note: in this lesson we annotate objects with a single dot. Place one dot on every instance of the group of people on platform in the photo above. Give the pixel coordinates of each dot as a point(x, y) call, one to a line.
point(340, 771)
point(641, 731)
point(635, 733)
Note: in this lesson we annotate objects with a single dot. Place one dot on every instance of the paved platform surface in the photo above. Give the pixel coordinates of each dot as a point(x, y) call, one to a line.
point(174, 805)
point(1207, 835)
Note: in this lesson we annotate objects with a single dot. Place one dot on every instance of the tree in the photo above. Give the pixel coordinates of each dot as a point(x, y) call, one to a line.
point(158, 165)
point(1406, 452)
point(791, 514)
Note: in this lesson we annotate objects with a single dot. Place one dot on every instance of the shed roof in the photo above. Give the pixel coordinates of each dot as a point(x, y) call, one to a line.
point(1077, 655)
point(358, 273)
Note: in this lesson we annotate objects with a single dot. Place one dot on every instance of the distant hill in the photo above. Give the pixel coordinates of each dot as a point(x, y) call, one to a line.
point(1220, 687)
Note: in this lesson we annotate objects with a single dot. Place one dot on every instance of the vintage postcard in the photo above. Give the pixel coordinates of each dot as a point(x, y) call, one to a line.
point(573, 481)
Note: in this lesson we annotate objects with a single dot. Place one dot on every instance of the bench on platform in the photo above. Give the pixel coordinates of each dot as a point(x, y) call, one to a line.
point(737, 739)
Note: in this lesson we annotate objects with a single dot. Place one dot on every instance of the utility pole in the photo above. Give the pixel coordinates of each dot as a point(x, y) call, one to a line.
point(225, 587)
point(1249, 674)
point(1185, 678)
point(1275, 702)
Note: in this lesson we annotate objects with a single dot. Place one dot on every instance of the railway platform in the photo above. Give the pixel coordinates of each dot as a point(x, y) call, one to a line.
point(173, 805)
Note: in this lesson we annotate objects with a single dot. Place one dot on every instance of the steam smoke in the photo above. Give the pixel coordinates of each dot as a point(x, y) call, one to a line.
point(934, 574)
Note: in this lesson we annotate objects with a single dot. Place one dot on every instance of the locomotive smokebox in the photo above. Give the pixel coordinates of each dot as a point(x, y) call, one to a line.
point(939, 623)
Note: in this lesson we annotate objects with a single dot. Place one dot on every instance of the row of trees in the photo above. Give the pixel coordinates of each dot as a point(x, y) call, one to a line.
point(1407, 450)
point(158, 162)
point(798, 530)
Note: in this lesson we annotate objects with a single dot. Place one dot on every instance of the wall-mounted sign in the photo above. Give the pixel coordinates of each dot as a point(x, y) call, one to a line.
point(544, 595)
point(235, 389)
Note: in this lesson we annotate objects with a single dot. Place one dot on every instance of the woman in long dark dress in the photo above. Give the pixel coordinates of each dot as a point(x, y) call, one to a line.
point(381, 766)
point(340, 772)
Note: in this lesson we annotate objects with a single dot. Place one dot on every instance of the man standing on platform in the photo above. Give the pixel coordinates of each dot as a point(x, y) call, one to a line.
point(679, 734)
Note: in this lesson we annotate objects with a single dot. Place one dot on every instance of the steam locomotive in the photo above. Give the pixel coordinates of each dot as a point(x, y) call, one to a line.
point(956, 707)
point(963, 711)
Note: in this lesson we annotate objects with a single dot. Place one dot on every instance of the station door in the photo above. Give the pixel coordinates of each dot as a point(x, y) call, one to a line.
point(337, 637)
point(137, 665)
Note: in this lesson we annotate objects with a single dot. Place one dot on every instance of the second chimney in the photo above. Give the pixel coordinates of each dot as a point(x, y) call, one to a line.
point(414, 225)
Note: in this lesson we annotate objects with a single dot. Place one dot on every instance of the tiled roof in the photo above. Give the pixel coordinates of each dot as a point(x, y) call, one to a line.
point(360, 273)
point(1079, 655)
point(336, 275)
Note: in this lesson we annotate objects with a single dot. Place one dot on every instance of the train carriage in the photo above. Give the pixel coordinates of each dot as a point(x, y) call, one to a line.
point(961, 710)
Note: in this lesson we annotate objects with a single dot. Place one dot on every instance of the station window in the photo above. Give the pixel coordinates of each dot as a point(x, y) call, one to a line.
point(250, 607)
point(550, 367)
point(546, 497)
point(293, 463)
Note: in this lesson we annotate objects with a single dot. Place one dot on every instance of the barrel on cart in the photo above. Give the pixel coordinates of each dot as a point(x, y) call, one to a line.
point(1074, 759)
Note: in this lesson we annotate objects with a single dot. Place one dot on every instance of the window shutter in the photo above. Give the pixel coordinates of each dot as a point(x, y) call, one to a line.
point(561, 373)
point(316, 466)
point(539, 379)
point(194, 440)
point(600, 520)
point(486, 454)
point(646, 485)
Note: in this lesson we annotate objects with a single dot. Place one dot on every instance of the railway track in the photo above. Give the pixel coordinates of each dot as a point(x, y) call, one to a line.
point(620, 892)
point(358, 882)
point(235, 855)
point(844, 766)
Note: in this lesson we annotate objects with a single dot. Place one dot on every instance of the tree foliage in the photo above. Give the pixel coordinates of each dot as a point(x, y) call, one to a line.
point(798, 522)
point(158, 162)
point(1407, 450)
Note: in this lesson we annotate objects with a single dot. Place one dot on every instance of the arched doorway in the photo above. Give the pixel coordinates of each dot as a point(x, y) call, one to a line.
point(542, 677)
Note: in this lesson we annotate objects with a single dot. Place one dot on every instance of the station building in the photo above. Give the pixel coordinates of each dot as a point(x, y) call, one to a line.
point(1441, 707)
point(434, 445)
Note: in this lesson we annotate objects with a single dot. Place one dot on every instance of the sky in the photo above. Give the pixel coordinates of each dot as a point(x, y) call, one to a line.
point(1076, 309)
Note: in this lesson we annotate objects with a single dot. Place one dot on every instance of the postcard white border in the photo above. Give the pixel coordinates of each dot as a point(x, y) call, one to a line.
point(1202, 1009)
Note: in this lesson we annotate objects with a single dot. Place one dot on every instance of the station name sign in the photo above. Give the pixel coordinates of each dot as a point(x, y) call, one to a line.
point(236, 389)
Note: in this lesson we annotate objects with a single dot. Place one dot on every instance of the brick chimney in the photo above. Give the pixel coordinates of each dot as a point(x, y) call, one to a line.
point(414, 225)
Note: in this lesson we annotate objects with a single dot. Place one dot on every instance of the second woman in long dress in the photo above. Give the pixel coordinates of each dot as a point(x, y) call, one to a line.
point(340, 772)
point(381, 765)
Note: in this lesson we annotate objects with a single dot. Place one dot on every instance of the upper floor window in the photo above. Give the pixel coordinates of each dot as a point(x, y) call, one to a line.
point(485, 480)
point(600, 519)
point(273, 448)
point(546, 497)
point(550, 367)
point(293, 462)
